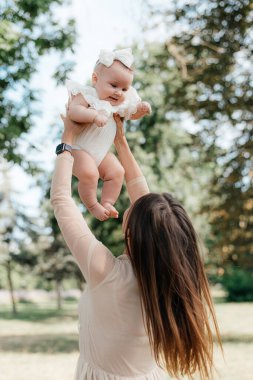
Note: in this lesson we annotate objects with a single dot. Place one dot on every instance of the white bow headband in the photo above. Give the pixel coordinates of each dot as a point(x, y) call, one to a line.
point(125, 56)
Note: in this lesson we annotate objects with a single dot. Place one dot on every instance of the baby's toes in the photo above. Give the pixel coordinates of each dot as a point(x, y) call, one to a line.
point(113, 212)
point(104, 216)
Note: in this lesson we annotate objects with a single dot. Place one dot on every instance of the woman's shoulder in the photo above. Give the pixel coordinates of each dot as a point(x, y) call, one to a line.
point(125, 271)
point(123, 257)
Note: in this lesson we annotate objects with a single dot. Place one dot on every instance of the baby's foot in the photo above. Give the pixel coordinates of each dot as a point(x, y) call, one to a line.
point(99, 212)
point(113, 212)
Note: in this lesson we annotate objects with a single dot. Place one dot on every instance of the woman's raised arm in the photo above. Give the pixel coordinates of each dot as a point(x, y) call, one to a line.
point(93, 258)
point(135, 180)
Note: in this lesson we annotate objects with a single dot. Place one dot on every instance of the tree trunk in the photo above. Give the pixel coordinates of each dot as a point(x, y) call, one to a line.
point(11, 288)
point(58, 294)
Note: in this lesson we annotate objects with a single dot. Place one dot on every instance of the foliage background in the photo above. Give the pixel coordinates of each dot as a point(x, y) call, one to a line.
point(194, 65)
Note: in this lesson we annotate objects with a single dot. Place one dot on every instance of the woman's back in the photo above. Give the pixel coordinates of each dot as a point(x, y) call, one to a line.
point(113, 340)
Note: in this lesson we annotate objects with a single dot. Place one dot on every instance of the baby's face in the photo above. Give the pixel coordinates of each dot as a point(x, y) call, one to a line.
point(112, 82)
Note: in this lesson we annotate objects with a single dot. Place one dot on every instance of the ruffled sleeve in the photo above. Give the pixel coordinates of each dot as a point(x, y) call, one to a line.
point(129, 106)
point(74, 88)
point(90, 95)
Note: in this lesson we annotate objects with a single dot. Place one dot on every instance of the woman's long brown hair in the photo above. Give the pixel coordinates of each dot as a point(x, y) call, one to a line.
point(176, 303)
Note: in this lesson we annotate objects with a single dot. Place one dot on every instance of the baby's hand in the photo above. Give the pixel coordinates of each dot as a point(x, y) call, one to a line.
point(144, 108)
point(101, 119)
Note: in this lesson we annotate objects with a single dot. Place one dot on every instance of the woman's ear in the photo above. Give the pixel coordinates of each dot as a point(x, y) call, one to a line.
point(94, 78)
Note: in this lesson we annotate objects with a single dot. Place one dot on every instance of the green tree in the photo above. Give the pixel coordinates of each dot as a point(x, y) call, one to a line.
point(18, 235)
point(200, 74)
point(208, 48)
point(28, 30)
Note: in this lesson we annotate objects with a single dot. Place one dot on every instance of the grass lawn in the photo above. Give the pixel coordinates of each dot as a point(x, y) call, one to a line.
point(42, 343)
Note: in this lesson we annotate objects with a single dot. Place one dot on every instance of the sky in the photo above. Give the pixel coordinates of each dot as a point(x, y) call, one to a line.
point(100, 25)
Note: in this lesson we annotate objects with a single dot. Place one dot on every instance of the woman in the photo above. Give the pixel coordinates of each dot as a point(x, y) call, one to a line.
point(145, 313)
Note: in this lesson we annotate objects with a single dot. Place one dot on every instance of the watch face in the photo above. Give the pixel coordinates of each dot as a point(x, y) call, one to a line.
point(62, 147)
point(59, 148)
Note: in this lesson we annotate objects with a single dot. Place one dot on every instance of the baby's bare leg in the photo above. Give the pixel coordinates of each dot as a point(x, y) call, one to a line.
point(112, 173)
point(86, 171)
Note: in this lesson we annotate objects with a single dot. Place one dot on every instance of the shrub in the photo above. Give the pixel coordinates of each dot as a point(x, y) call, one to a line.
point(238, 284)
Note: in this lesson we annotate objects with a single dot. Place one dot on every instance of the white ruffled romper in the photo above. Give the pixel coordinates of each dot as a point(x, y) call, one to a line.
point(96, 140)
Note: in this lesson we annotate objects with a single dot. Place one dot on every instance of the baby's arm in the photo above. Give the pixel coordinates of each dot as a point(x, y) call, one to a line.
point(143, 108)
point(79, 111)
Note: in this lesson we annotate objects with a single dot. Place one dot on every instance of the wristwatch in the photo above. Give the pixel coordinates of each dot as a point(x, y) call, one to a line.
point(62, 147)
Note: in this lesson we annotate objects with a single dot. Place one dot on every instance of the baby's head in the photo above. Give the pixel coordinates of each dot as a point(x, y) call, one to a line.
point(113, 75)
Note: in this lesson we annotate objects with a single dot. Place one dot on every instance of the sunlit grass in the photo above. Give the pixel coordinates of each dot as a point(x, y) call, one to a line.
point(43, 342)
point(28, 366)
point(39, 328)
point(35, 312)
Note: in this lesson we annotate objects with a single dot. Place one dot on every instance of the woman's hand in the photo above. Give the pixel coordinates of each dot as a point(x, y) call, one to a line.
point(132, 169)
point(120, 133)
point(71, 130)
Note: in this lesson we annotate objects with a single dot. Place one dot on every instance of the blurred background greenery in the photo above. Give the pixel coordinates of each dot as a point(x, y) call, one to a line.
point(193, 64)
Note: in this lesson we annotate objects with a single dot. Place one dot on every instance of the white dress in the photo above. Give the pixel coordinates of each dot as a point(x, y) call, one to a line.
point(97, 140)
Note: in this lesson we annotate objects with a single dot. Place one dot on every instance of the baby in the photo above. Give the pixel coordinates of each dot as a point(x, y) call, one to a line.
point(111, 93)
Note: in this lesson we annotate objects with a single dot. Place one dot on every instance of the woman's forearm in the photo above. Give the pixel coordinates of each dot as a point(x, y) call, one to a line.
point(135, 181)
point(70, 220)
point(126, 157)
